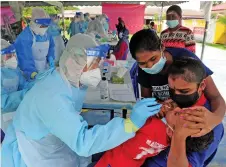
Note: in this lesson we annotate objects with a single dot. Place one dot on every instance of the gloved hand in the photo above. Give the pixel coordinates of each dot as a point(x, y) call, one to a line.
point(33, 75)
point(104, 49)
point(143, 110)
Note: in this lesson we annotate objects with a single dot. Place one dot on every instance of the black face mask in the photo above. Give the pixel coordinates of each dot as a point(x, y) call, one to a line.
point(184, 101)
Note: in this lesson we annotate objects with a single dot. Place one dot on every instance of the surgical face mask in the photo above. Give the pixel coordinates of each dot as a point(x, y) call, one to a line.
point(156, 68)
point(91, 78)
point(11, 63)
point(120, 35)
point(184, 101)
point(37, 30)
point(172, 23)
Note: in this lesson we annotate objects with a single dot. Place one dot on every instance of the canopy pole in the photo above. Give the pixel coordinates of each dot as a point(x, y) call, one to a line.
point(160, 19)
point(207, 9)
point(62, 10)
point(204, 39)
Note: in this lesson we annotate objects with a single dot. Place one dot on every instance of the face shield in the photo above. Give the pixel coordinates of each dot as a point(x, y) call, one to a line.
point(8, 57)
point(40, 21)
point(79, 68)
point(76, 19)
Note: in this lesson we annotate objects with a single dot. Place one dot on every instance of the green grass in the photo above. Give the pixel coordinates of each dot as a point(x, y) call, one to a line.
point(219, 46)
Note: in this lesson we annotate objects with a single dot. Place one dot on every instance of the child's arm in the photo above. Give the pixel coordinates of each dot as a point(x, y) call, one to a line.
point(149, 141)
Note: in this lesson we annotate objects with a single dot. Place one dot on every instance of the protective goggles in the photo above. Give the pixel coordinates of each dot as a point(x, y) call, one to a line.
point(78, 13)
point(9, 50)
point(43, 22)
point(99, 51)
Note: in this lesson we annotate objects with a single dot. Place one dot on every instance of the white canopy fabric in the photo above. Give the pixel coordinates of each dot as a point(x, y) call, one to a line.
point(94, 3)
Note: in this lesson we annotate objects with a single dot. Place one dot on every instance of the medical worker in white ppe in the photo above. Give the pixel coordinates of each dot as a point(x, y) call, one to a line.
point(87, 20)
point(105, 22)
point(13, 84)
point(34, 46)
point(48, 130)
point(98, 27)
point(55, 31)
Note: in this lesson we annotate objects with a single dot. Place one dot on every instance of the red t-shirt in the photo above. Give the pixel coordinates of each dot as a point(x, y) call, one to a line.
point(121, 54)
point(181, 38)
point(149, 141)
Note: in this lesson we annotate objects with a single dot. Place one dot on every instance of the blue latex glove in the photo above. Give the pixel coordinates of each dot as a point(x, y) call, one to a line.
point(143, 110)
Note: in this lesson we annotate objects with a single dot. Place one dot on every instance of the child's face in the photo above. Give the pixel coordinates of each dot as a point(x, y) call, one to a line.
point(184, 93)
point(181, 87)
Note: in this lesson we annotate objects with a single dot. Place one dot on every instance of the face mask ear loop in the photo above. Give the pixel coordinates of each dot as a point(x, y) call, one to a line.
point(170, 127)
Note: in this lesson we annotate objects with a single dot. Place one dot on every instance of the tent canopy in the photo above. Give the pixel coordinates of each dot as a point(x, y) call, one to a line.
point(93, 3)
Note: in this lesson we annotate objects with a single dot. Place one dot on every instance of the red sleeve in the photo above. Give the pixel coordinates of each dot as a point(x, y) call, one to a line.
point(149, 141)
point(123, 48)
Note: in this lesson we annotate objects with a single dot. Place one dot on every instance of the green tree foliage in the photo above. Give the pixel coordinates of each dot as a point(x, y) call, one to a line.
point(49, 9)
point(213, 15)
point(66, 23)
point(71, 8)
point(222, 20)
point(217, 3)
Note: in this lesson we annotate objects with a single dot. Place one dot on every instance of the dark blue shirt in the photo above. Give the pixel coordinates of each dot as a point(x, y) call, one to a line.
point(159, 82)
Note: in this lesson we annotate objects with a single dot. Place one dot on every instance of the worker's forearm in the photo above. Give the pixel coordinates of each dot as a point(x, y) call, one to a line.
point(218, 107)
point(177, 155)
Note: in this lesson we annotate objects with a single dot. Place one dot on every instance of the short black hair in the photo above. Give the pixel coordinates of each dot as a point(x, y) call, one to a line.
point(176, 9)
point(190, 69)
point(152, 23)
point(197, 144)
point(144, 40)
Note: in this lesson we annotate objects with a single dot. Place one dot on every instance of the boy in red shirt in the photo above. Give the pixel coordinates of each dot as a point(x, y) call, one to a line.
point(155, 135)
